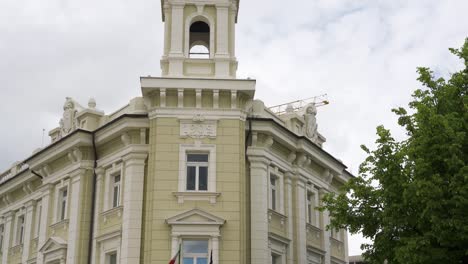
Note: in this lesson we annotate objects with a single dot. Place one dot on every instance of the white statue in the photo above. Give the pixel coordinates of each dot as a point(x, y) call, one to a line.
point(311, 122)
point(68, 121)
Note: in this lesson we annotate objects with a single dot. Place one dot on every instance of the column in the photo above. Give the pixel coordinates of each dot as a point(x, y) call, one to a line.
point(222, 29)
point(175, 245)
point(222, 41)
point(289, 213)
point(232, 29)
point(176, 55)
point(44, 223)
point(28, 217)
point(134, 176)
point(300, 210)
point(325, 233)
point(215, 248)
point(78, 226)
point(259, 209)
point(177, 28)
point(97, 210)
point(7, 235)
point(345, 243)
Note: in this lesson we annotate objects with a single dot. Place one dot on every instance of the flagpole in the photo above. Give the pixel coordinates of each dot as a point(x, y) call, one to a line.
point(180, 246)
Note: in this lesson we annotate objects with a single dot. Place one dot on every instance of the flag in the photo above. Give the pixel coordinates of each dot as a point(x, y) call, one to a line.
point(211, 257)
point(177, 255)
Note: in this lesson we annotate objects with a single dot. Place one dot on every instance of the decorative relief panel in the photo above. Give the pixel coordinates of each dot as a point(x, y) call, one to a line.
point(198, 128)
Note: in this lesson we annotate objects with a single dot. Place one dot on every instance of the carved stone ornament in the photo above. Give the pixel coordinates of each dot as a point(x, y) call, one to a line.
point(68, 123)
point(198, 128)
point(310, 111)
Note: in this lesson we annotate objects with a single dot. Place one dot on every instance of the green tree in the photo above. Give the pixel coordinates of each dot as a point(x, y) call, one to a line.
point(411, 196)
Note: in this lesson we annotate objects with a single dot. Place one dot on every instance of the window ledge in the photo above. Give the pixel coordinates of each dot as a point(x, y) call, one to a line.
point(16, 249)
point(196, 196)
point(116, 211)
point(274, 214)
point(35, 242)
point(60, 224)
point(313, 228)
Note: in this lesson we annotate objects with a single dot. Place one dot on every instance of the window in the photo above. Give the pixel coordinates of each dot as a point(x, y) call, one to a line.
point(273, 192)
point(2, 231)
point(199, 40)
point(335, 233)
point(312, 215)
point(275, 259)
point(20, 230)
point(63, 194)
point(116, 191)
point(277, 250)
point(197, 172)
point(38, 218)
point(195, 252)
point(309, 208)
point(111, 258)
point(314, 258)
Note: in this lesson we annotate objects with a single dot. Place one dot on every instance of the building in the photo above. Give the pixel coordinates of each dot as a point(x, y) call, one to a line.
point(358, 259)
point(195, 161)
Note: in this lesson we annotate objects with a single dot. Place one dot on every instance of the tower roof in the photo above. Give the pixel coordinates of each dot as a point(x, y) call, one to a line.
point(163, 17)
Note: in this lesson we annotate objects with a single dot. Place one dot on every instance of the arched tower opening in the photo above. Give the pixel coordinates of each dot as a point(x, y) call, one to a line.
point(199, 42)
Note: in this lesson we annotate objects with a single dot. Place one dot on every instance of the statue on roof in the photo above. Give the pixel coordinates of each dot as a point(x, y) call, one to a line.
point(311, 122)
point(68, 121)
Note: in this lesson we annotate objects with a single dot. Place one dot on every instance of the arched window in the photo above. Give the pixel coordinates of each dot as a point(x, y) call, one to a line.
point(199, 44)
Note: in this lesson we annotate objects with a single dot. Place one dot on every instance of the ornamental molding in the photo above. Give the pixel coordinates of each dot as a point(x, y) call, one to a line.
point(198, 128)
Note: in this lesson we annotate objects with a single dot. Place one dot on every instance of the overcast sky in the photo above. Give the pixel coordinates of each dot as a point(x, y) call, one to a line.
point(363, 54)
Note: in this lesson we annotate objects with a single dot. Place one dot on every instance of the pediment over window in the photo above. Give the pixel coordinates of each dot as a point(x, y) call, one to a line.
point(54, 244)
point(195, 217)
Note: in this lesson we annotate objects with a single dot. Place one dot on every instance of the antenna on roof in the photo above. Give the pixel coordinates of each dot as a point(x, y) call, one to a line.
point(43, 133)
point(318, 101)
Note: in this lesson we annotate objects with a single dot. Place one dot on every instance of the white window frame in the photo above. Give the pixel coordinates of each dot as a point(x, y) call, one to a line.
point(197, 165)
point(277, 249)
point(109, 187)
point(63, 204)
point(59, 188)
point(195, 256)
point(108, 256)
point(279, 189)
point(19, 231)
point(38, 218)
point(185, 149)
point(314, 257)
point(108, 244)
point(315, 214)
point(2, 236)
point(274, 192)
point(116, 190)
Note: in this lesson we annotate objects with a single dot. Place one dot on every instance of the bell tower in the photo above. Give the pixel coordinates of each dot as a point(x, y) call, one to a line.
point(199, 38)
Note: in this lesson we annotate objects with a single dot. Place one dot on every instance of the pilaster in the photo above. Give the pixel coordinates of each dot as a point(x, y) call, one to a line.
point(259, 209)
point(176, 53)
point(325, 233)
point(289, 211)
point(300, 212)
point(97, 209)
point(7, 235)
point(222, 38)
point(27, 230)
point(134, 176)
point(78, 202)
point(215, 248)
point(44, 223)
